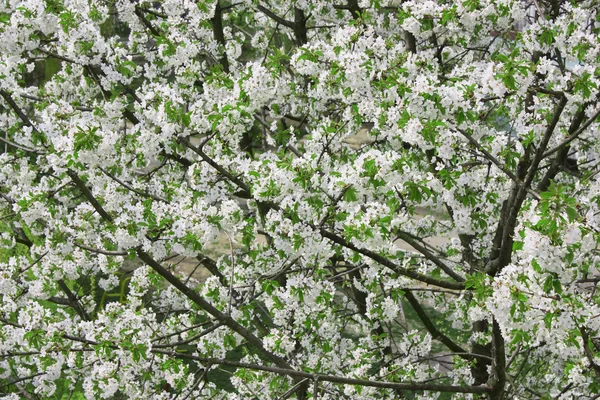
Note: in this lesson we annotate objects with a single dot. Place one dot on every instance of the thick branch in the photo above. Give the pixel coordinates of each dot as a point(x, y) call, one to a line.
point(574, 135)
point(73, 301)
point(539, 154)
point(8, 98)
point(496, 162)
point(152, 12)
point(432, 329)
point(563, 153)
point(147, 24)
point(300, 27)
point(388, 263)
point(351, 6)
point(588, 352)
point(332, 378)
point(88, 195)
point(498, 377)
point(209, 308)
point(179, 160)
point(211, 266)
point(238, 182)
point(518, 195)
point(217, 23)
point(411, 42)
point(275, 17)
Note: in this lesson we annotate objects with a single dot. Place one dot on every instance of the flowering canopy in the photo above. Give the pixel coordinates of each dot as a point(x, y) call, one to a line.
point(451, 251)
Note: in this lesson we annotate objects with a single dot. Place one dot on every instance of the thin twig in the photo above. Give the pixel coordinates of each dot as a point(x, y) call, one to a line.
point(20, 147)
point(101, 251)
point(183, 342)
point(129, 187)
point(232, 273)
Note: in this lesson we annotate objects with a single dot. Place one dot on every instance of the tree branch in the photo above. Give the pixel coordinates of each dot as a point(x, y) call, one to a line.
point(268, 128)
point(73, 301)
point(8, 98)
point(209, 308)
point(588, 352)
point(513, 206)
point(331, 236)
point(14, 382)
point(219, 35)
point(496, 162)
point(182, 287)
point(563, 153)
point(147, 24)
point(307, 375)
point(432, 329)
point(88, 195)
point(574, 135)
point(275, 17)
point(388, 263)
point(186, 142)
point(497, 379)
point(300, 27)
point(19, 147)
point(190, 340)
point(100, 251)
point(128, 187)
point(332, 378)
point(429, 255)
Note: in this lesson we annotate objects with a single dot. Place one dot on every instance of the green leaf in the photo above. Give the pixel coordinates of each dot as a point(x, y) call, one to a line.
point(460, 117)
point(127, 68)
point(548, 320)
point(572, 214)
point(86, 139)
point(509, 81)
point(67, 20)
point(229, 341)
point(350, 194)
point(584, 85)
point(547, 36)
point(557, 286)
point(269, 286)
point(138, 352)
point(501, 58)
point(471, 5)
point(35, 337)
point(536, 266)
point(449, 14)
